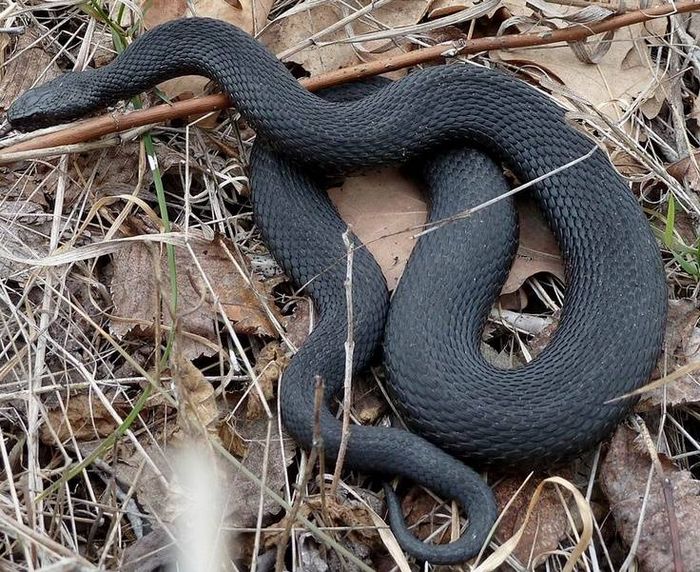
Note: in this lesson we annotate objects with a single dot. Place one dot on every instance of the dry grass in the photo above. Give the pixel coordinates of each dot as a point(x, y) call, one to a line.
point(90, 419)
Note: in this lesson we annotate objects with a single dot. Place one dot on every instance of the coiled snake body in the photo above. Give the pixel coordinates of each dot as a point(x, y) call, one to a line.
point(611, 328)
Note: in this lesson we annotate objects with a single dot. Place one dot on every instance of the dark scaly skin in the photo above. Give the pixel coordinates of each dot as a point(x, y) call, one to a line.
point(612, 323)
point(283, 191)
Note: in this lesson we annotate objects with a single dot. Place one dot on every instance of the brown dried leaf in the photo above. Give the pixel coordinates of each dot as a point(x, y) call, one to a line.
point(296, 29)
point(135, 287)
point(441, 8)
point(111, 171)
point(624, 73)
point(232, 441)
point(541, 340)
point(269, 365)
point(152, 490)
point(418, 508)
point(285, 33)
point(156, 484)
point(159, 11)
point(298, 326)
point(624, 476)
point(382, 204)
point(681, 347)
point(354, 509)
point(627, 164)
point(515, 301)
point(85, 418)
point(548, 523)
point(197, 412)
point(345, 510)
point(385, 204)
point(687, 170)
point(368, 408)
point(28, 66)
point(249, 15)
point(538, 250)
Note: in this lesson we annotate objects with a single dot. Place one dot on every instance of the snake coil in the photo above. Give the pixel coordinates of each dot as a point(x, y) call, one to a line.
point(611, 327)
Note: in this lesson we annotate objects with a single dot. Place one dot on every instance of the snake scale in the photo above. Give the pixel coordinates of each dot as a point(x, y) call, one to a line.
point(456, 403)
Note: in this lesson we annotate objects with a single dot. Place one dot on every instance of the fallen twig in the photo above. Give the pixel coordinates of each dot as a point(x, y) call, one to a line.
point(349, 353)
point(316, 453)
point(112, 123)
point(667, 490)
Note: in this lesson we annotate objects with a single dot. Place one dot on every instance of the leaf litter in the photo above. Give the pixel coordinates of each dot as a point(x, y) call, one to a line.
point(220, 394)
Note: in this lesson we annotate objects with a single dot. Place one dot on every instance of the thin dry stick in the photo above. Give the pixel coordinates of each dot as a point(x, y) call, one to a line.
point(40, 542)
point(349, 353)
point(627, 563)
point(261, 504)
point(667, 489)
point(113, 123)
point(316, 451)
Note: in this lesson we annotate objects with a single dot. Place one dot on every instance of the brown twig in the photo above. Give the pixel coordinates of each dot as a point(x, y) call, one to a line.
point(112, 123)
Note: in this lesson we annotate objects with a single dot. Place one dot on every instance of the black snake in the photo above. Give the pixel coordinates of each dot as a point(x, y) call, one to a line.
point(611, 327)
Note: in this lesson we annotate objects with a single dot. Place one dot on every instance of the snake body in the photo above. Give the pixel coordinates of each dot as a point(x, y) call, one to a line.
point(611, 327)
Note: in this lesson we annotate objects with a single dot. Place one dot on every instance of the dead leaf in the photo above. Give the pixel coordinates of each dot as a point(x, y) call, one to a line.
point(515, 301)
point(269, 365)
point(232, 441)
point(156, 486)
point(298, 326)
point(290, 34)
point(110, 171)
point(85, 418)
point(368, 408)
point(418, 508)
point(627, 164)
point(625, 73)
point(687, 170)
point(378, 204)
point(197, 412)
point(441, 8)
point(135, 292)
point(537, 251)
point(159, 11)
point(548, 524)
point(385, 210)
point(624, 475)
point(249, 15)
point(681, 347)
point(27, 66)
point(344, 509)
point(541, 340)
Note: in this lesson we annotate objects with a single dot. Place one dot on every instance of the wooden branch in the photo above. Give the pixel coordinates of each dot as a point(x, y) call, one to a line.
point(113, 123)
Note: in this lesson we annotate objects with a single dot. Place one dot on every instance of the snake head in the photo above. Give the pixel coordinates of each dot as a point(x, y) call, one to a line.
point(57, 101)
